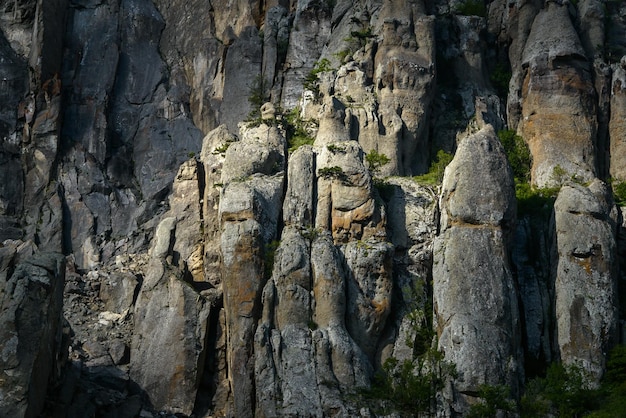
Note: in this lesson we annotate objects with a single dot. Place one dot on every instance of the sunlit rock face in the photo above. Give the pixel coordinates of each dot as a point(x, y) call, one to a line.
point(228, 196)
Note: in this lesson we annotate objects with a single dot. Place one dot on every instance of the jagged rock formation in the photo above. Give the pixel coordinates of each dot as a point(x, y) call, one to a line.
point(32, 325)
point(214, 266)
point(475, 297)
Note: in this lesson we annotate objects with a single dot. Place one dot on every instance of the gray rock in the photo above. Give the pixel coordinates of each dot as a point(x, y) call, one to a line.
point(261, 150)
point(341, 357)
point(118, 291)
point(558, 100)
point(298, 207)
point(617, 127)
point(585, 286)
point(31, 302)
point(478, 185)
point(212, 160)
point(531, 251)
point(474, 295)
point(242, 66)
point(186, 204)
point(476, 310)
point(403, 71)
point(345, 203)
point(168, 345)
point(305, 48)
point(368, 291)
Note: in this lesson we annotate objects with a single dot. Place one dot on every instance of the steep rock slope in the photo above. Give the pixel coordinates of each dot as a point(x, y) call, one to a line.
point(215, 266)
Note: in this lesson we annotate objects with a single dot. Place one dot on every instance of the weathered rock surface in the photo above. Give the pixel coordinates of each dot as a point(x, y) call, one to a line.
point(617, 126)
point(31, 301)
point(281, 281)
point(585, 286)
point(475, 298)
point(558, 108)
point(249, 214)
point(168, 348)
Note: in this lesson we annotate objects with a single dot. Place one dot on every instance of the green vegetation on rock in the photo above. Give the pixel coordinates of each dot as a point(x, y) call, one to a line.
point(375, 161)
point(312, 78)
point(296, 130)
point(472, 8)
point(436, 170)
point(619, 192)
point(517, 153)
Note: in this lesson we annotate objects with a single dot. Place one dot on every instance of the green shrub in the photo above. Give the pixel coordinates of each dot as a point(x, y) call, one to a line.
point(532, 201)
point(268, 257)
point(259, 94)
point(221, 149)
point(295, 130)
point(517, 153)
point(472, 8)
point(282, 47)
point(335, 172)
point(362, 34)
point(311, 79)
point(619, 193)
point(500, 78)
point(335, 148)
point(409, 387)
point(310, 233)
point(493, 399)
point(420, 317)
point(343, 55)
point(375, 161)
point(436, 170)
point(563, 392)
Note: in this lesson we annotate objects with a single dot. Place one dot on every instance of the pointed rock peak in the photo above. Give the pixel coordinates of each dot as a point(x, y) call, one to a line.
point(478, 185)
point(552, 36)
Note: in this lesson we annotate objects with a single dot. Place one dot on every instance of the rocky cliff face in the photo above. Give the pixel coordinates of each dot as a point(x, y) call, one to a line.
point(209, 209)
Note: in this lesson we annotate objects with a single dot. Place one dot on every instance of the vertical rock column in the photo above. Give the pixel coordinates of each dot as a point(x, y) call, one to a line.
point(617, 124)
point(558, 100)
point(475, 300)
point(585, 285)
point(404, 78)
point(31, 301)
point(249, 209)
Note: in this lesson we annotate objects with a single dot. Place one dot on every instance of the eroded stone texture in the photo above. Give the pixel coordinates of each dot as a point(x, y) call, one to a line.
point(345, 204)
point(475, 299)
point(558, 109)
point(31, 302)
point(617, 125)
point(249, 212)
point(168, 347)
point(140, 82)
point(585, 286)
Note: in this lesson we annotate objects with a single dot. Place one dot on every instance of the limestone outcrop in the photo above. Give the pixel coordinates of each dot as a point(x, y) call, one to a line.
point(558, 108)
point(585, 288)
point(475, 297)
point(236, 190)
